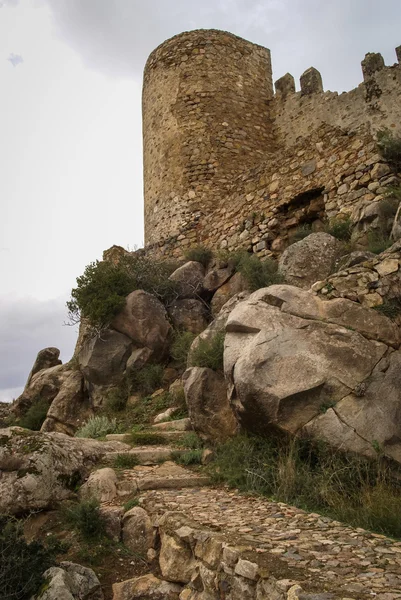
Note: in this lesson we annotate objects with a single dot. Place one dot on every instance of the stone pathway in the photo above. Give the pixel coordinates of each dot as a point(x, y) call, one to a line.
point(349, 562)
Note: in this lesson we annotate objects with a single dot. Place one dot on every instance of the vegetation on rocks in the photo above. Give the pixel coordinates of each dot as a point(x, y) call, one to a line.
point(190, 457)
point(35, 415)
point(199, 254)
point(257, 273)
point(340, 228)
point(21, 564)
point(314, 477)
point(85, 518)
point(125, 461)
point(378, 242)
point(209, 353)
point(148, 438)
point(180, 346)
point(389, 146)
point(97, 427)
point(146, 380)
point(101, 290)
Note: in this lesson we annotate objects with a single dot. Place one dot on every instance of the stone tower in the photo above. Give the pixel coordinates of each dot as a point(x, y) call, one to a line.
point(206, 118)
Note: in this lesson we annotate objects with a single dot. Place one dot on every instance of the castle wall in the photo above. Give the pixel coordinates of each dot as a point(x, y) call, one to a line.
point(206, 118)
point(228, 165)
point(374, 104)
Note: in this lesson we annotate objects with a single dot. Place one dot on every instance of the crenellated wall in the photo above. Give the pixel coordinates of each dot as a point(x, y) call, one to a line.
point(227, 164)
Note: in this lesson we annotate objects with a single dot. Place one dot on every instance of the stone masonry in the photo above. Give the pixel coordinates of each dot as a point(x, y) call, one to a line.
point(228, 163)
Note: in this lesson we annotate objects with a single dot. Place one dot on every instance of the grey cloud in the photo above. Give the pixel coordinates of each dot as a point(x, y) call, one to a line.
point(26, 326)
point(15, 59)
point(116, 37)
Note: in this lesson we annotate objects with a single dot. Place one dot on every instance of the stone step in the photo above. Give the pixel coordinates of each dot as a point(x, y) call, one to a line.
point(148, 455)
point(165, 476)
point(178, 425)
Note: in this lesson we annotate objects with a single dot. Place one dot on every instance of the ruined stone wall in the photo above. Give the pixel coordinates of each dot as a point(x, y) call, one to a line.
point(374, 104)
point(205, 119)
point(304, 158)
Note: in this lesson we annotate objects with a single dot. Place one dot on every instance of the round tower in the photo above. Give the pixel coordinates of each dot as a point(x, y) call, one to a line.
point(206, 118)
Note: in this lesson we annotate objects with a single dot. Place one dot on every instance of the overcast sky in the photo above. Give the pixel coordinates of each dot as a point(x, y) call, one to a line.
point(70, 130)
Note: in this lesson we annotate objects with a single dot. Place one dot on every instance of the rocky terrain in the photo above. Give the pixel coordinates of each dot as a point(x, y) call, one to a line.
point(114, 462)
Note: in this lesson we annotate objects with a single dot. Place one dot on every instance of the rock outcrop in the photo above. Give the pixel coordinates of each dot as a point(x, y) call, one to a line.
point(40, 469)
point(310, 260)
point(144, 320)
point(209, 409)
point(70, 581)
point(290, 359)
point(189, 279)
point(70, 408)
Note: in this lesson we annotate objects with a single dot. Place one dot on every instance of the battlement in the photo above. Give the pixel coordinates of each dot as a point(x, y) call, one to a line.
point(220, 143)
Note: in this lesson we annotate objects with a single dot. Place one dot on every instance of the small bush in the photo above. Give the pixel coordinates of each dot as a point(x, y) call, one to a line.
point(148, 438)
point(199, 254)
point(389, 146)
point(97, 427)
point(144, 411)
point(131, 504)
point(390, 308)
point(191, 457)
point(35, 415)
point(146, 380)
point(116, 400)
point(85, 518)
point(209, 353)
point(125, 461)
point(378, 242)
point(340, 229)
point(257, 273)
point(301, 233)
point(21, 564)
point(190, 440)
point(101, 290)
point(182, 341)
point(314, 477)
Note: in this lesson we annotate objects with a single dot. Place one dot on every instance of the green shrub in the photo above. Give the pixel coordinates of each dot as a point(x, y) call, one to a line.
point(191, 457)
point(182, 341)
point(85, 518)
point(146, 380)
point(257, 273)
point(101, 290)
point(131, 503)
point(97, 427)
point(390, 308)
point(340, 228)
point(116, 400)
point(314, 477)
point(199, 254)
point(148, 438)
point(125, 461)
point(301, 232)
point(35, 415)
point(378, 242)
point(190, 440)
point(389, 146)
point(21, 564)
point(209, 353)
point(144, 411)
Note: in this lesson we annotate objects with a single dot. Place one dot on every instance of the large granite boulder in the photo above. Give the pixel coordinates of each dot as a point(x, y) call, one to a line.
point(237, 284)
point(310, 260)
point(37, 469)
point(209, 409)
point(45, 359)
point(189, 314)
point(189, 279)
point(291, 358)
point(70, 408)
point(144, 320)
point(70, 581)
point(43, 385)
point(103, 358)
